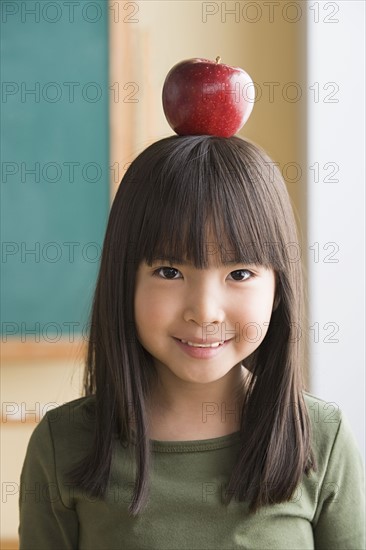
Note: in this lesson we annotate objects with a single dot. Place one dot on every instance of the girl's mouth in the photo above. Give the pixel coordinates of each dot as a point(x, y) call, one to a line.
point(201, 351)
point(211, 345)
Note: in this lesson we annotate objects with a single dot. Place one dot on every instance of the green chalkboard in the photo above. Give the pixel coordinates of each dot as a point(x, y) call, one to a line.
point(54, 165)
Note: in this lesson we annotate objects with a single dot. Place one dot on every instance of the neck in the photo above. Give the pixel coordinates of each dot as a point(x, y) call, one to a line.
point(184, 410)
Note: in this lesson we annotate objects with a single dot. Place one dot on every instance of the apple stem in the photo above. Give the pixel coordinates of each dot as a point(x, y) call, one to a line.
point(218, 59)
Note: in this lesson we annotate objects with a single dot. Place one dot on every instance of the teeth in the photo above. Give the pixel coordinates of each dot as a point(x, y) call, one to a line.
point(214, 345)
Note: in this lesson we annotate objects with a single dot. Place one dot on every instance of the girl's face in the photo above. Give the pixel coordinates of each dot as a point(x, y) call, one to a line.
point(226, 304)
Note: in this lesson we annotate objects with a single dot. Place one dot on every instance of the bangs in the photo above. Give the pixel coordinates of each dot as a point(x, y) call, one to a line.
point(204, 203)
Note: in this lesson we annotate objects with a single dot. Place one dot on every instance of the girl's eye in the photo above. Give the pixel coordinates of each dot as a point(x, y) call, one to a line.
point(239, 274)
point(171, 273)
point(166, 273)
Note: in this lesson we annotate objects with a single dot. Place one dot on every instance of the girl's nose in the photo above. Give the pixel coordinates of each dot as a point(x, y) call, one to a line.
point(203, 305)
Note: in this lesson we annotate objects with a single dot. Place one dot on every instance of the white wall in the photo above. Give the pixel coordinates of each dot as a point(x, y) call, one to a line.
point(336, 213)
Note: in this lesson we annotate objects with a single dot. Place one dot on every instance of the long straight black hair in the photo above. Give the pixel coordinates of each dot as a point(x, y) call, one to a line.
point(165, 201)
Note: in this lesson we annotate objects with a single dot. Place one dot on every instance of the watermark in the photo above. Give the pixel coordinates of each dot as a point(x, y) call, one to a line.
point(73, 171)
point(92, 92)
point(291, 251)
point(50, 332)
point(211, 491)
point(68, 92)
point(252, 332)
point(270, 92)
point(211, 409)
point(50, 252)
point(269, 12)
point(324, 333)
point(53, 252)
point(323, 12)
point(50, 492)
point(325, 172)
point(22, 412)
point(38, 493)
point(326, 253)
point(68, 12)
point(53, 172)
point(327, 413)
point(292, 171)
point(70, 171)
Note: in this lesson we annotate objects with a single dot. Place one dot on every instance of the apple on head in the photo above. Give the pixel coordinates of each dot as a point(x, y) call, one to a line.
point(203, 97)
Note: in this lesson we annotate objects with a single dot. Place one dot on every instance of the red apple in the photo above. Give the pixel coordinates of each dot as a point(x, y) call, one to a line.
point(203, 97)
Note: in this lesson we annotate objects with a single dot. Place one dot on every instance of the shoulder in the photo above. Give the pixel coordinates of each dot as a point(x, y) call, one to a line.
point(78, 412)
point(331, 431)
point(67, 431)
point(326, 412)
point(337, 479)
point(325, 418)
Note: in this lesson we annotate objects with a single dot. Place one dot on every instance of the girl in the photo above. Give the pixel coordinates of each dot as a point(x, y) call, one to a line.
point(196, 431)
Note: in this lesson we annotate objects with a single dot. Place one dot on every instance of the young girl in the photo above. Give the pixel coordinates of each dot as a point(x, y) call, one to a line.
point(196, 431)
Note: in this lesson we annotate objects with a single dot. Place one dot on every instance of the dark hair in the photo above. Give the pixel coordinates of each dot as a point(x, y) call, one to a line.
point(167, 198)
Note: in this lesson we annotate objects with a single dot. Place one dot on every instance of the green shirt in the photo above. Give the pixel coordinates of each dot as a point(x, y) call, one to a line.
point(188, 479)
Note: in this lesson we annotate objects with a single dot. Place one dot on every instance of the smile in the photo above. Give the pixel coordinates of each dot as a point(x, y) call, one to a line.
point(212, 345)
point(202, 351)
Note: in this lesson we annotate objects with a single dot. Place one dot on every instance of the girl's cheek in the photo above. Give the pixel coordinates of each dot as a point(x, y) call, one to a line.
point(254, 332)
point(254, 319)
point(155, 307)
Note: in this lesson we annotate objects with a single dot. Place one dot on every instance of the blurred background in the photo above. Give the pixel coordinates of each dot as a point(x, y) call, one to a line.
point(81, 97)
